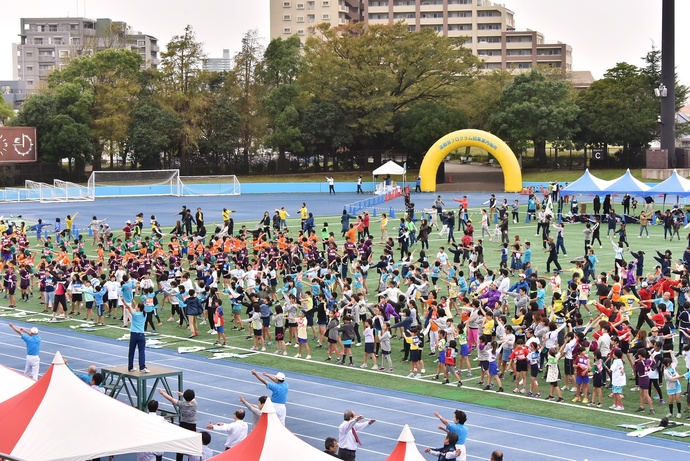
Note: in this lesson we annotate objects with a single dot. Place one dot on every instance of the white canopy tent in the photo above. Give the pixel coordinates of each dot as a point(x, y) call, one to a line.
point(58, 418)
point(390, 168)
point(12, 383)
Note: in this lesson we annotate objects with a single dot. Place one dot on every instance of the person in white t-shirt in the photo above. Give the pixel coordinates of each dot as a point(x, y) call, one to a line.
point(618, 380)
point(237, 430)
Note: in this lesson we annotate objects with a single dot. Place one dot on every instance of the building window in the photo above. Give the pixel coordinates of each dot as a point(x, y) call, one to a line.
point(74, 26)
point(300, 32)
point(404, 3)
point(52, 28)
point(64, 53)
point(384, 3)
point(488, 52)
point(30, 82)
point(403, 16)
point(488, 27)
point(38, 40)
point(286, 5)
point(311, 5)
point(300, 6)
point(488, 39)
point(326, 16)
point(459, 2)
point(432, 15)
point(287, 17)
point(411, 29)
point(287, 30)
point(45, 53)
point(459, 26)
point(300, 18)
point(378, 16)
point(325, 3)
point(519, 53)
point(551, 52)
point(311, 18)
point(491, 66)
point(523, 39)
point(57, 40)
point(460, 14)
point(488, 14)
point(29, 68)
point(438, 28)
point(76, 41)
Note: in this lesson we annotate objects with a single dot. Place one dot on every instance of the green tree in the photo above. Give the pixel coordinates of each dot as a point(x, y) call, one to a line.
point(111, 77)
point(153, 131)
point(482, 97)
point(6, 112)
point(184, 90)
point(220, 139)
point(418, 128)
point(246, 90)
point(620, 110)
point(281, 68)
point(372, 73)
point(537, 109)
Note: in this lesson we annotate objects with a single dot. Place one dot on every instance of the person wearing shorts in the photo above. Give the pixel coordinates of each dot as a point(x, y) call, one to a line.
point(581, 364)
point(597, 379)
point(673, 387)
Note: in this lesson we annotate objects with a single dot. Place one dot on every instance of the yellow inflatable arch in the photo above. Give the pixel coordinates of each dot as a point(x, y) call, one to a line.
point(512, 175)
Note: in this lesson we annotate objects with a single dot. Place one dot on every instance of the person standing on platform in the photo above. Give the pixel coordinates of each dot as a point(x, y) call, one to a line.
point(331, 186)
point(347, 434)
point(279, 389)
point(359, 185)
point(33, 349)
point(137, 339)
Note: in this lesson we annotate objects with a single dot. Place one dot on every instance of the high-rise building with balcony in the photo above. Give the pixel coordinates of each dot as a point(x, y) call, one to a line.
point(49, 43)
point(290, 17)
point(223, 64)
point(489, 27)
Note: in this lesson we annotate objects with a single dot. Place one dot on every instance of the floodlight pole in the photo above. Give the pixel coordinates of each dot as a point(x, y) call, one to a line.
point(668, 79)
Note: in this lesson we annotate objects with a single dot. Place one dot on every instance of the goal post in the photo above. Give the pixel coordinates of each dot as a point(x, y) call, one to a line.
point(199, 186)
point(42, 192)
point(72, 191)
point(134, 183)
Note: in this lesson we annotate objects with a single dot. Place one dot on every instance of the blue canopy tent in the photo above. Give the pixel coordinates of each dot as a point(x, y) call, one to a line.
point(673, 185)
point(627, 184)
point(586, 184)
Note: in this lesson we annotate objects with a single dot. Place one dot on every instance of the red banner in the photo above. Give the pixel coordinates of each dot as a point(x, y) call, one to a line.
point(17, 144)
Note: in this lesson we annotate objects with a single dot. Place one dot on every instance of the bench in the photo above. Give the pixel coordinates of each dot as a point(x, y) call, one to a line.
point(490, 162)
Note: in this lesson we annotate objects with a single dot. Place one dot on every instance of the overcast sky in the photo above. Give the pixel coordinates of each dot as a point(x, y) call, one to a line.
point(601, 32)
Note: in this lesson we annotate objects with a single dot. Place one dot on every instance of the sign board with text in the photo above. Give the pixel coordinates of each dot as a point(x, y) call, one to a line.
point(17, 144)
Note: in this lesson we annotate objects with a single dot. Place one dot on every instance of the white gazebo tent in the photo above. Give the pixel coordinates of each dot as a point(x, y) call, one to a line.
point(56, 419)
point(12, 383)
point(390, 168)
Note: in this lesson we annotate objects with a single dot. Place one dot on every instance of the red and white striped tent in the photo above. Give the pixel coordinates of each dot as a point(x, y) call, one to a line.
point(61, 418)
point(12, 383)
point(270, 440)
point(406, 449)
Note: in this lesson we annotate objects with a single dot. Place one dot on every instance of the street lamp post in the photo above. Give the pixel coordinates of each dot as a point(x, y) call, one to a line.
point(667, 89)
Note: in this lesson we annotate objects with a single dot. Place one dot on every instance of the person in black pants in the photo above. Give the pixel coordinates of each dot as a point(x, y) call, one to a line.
point(406, 324)
point(553, 256)
point(450, 222)
point(188, 409)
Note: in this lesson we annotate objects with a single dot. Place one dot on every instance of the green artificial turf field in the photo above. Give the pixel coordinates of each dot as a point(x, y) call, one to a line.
point(173, 337)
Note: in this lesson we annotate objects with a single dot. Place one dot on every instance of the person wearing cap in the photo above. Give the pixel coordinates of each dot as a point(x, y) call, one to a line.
point(279, 388)
point(33, 349)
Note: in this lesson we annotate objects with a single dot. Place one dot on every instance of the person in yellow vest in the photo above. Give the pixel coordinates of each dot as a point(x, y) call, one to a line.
point(69, 222)
point(226, 214)
point(303, 213)
point(283, 217)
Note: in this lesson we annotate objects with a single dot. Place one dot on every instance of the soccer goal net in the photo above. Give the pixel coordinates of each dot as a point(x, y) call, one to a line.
point(72, 191)
point(209, 185)
point(134, 183)
point(42, 192)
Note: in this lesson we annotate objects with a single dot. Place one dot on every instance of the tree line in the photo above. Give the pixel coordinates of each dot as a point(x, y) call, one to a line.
point(349, 94)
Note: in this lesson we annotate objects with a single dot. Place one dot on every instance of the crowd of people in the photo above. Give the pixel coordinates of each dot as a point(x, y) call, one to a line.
point(580, 329)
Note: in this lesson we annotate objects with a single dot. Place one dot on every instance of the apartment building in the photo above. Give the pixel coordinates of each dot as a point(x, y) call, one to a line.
point(489, 27)
point(49, 43)
point(290, 17)
point(223, 64)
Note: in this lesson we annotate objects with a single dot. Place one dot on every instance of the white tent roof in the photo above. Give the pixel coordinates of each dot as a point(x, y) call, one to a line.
point(12, 383)
point(270, 440)
point(58, 418)
point(406, 449)
point(390, 167)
